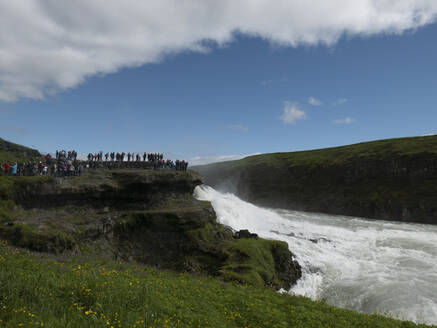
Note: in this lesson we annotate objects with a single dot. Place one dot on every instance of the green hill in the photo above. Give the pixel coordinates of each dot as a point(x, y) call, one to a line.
point(16, 153)
point(391, 179)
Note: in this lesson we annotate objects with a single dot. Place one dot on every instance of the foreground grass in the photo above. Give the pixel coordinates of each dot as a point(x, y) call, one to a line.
point(41, 292)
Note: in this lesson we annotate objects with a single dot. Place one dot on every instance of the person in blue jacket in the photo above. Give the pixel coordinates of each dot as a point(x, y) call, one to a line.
point(14, 169)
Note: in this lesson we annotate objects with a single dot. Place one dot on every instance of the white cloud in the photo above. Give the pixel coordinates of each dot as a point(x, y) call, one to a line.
point(214, 159)
point(15, 129)
point(346, 120)
point(314, 102)
point(238, 128)
point(47, 46)
point(340, 101)
point(292, 113)
point(266, 82)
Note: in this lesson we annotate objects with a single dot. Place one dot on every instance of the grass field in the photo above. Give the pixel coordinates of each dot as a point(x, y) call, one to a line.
point(39, 291)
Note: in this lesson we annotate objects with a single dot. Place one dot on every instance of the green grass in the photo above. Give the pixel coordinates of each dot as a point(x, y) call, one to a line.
point(336, 155)
point(37, 291)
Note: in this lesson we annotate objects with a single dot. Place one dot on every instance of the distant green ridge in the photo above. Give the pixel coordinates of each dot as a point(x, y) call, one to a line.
point(13, 152)
point(337, 155)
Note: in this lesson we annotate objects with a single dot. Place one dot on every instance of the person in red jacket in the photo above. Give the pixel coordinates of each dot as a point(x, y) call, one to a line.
point(7, 167)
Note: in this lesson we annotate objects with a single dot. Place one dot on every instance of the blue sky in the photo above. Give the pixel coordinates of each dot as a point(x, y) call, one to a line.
point(243, 96)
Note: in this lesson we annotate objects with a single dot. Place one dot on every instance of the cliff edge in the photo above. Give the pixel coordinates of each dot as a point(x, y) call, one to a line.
point(146, 216)
point(394, 179)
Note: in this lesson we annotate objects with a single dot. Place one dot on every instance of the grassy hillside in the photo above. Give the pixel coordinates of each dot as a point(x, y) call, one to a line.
point(38, 291)
point(379, 149)
point(390, 179)
point(13, 152)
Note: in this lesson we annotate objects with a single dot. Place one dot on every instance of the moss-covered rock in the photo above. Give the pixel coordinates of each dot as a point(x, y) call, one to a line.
point(260, 262)
point(47, 240)
point(149, 217)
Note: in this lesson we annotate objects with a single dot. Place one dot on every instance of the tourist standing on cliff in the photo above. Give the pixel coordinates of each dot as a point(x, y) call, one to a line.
point(53, 170)
point(7, 167)
point(80, 169)
point(14, 168)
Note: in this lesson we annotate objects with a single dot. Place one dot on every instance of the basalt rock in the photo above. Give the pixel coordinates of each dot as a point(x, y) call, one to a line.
point(245, 234)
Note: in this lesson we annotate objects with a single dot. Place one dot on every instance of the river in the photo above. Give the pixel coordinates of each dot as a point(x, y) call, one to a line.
point(366, 265)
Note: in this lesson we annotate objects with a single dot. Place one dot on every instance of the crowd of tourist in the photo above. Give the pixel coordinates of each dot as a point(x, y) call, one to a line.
point(155, 160)
point(120, 157)
point(66, 163)
point(63, 155)
point(65, 168)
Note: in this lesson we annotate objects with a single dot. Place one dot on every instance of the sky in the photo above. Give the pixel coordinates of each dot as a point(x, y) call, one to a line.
point(206, 80)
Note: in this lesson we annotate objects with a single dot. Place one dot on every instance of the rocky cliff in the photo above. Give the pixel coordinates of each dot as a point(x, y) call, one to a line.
point(393, 179)
point(144, 216)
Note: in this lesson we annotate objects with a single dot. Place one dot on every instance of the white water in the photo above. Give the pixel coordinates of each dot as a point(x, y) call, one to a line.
point(366, 265)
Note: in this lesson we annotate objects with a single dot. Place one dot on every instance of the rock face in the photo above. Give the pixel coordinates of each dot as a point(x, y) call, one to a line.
point(138, 215)
point(388, 179)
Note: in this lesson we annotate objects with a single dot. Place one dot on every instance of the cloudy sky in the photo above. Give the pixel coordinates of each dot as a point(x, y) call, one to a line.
point(212, 79)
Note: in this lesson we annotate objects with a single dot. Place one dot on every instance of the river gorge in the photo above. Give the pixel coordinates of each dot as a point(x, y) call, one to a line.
point(369, 266)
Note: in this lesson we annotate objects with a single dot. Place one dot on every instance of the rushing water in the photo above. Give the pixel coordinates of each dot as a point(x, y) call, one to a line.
point(366, 265)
